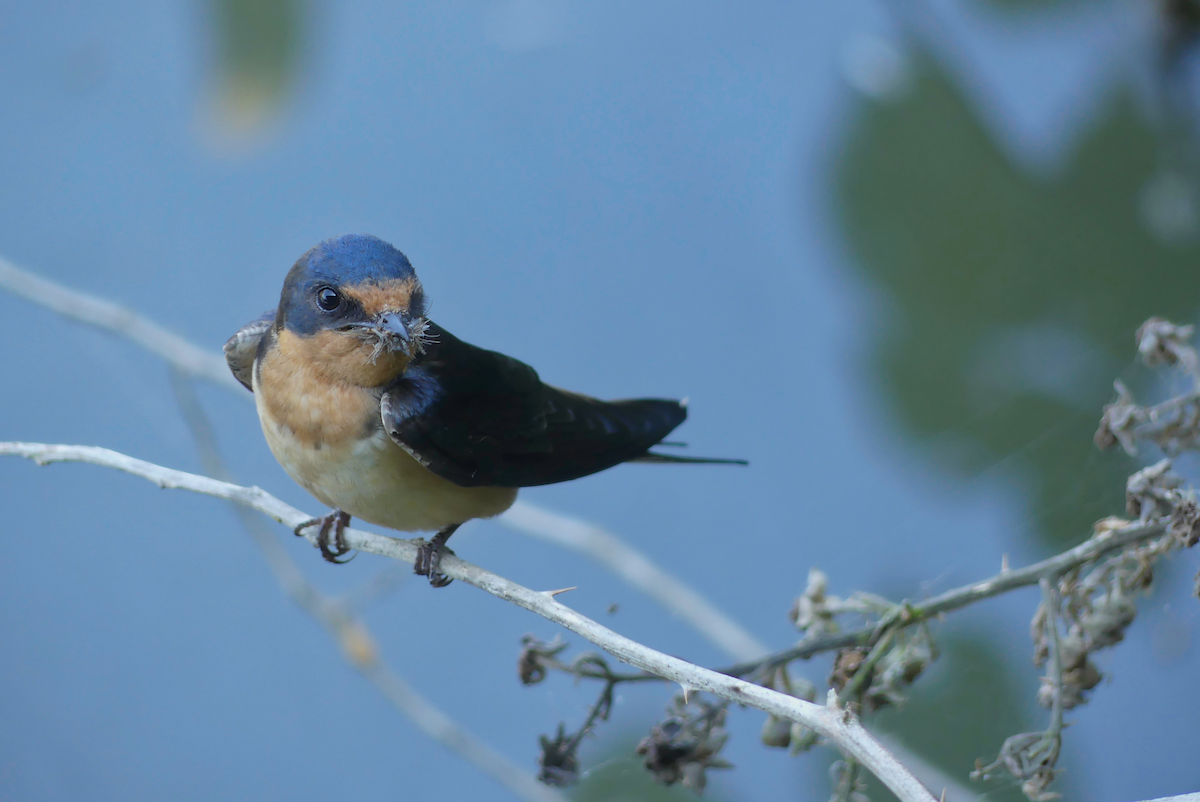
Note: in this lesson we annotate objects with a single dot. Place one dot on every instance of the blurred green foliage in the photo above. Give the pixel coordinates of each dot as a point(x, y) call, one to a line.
point(1010, 298)
point(619, 776)
point(258, 45)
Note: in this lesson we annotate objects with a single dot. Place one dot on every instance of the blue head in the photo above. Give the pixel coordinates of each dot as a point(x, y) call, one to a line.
point(354, 304)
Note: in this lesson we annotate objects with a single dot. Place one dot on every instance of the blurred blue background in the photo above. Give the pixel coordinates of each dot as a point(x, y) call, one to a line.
point(894, 253)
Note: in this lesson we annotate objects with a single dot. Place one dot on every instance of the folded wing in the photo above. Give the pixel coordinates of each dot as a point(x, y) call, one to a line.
point(242, 346)
point(477, 417)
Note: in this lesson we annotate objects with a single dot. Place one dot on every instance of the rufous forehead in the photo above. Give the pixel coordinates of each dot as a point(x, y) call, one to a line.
point(392, 295)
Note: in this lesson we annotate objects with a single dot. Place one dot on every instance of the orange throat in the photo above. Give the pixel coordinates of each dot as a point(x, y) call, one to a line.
point(341, 357)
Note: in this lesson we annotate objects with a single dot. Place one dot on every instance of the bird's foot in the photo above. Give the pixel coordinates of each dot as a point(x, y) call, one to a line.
point(335, 522)
point(429, 558)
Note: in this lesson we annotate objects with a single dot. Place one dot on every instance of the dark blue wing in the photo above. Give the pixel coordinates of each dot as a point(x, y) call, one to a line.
point(477, 417)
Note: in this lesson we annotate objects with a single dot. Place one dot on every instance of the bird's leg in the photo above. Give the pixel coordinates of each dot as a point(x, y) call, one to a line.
point(337, 521)
point(429, 557)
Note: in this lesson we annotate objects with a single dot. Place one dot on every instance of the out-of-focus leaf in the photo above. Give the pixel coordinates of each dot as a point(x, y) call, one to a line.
point(258, 45)
point(621, 777)
point(1011, 298)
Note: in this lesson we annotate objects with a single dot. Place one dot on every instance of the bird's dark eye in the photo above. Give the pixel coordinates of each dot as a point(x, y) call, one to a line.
point(328, 298)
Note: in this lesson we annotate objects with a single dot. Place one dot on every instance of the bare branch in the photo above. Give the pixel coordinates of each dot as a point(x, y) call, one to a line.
point(1105, 541)
point(1055, 669)
point(119, 320)
point(836, 723)
point(1031, 757)
point(350, 632)
point(639, 571)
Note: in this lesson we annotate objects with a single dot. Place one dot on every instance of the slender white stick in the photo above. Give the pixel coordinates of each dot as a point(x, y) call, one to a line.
point(437, 725)
point(639, 571)
point(835, 723)
point(600, 545)
point(106, 315)
point(350, 632)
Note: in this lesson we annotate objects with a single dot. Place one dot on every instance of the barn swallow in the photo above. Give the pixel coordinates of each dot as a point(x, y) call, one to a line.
point(383, 415)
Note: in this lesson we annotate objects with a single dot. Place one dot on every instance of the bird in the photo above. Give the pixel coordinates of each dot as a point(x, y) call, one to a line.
point(385, 416)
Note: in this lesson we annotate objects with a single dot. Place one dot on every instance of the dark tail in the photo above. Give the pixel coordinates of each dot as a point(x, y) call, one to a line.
point(653, 456)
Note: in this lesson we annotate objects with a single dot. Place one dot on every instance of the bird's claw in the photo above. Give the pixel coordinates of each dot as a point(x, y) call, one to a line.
point(335, 522)
point(429, 558)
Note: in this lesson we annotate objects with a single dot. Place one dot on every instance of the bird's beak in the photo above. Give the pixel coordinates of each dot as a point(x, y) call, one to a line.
point(393, 331)
point(394, 326)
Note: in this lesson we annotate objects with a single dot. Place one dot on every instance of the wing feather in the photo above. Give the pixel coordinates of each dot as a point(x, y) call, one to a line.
point(488, 420)
point(242, 346)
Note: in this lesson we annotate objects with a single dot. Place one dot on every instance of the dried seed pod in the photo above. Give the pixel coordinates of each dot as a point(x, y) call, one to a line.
point(846, 666)
point(776, 732)
point(531, 666)
point(558, 760)
point(686, 743)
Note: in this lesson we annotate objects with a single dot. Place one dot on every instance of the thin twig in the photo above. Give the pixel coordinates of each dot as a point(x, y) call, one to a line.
point(1031, 757)
point(639, 571)
point(1055, 667)
point(837, 724)
point(588, 670)
point(349, 631)
point(119, 320)
point(381, 585)
point(960, 597)
point(862, 675)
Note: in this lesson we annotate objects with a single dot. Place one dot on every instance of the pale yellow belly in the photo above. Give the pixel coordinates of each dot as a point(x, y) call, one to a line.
point(376, 480)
